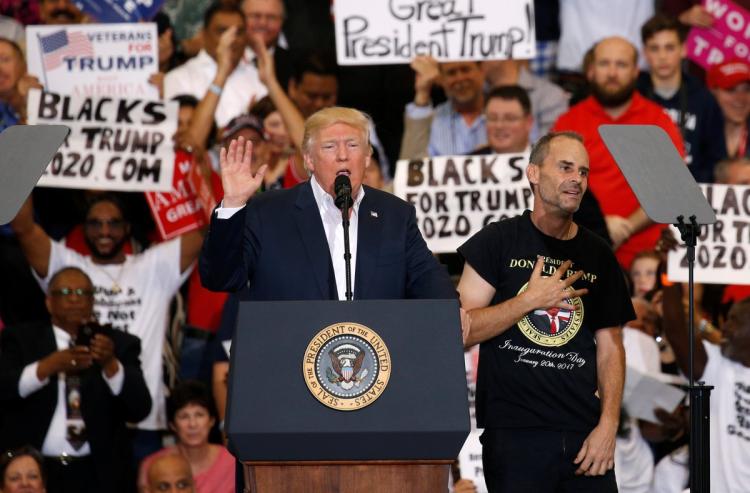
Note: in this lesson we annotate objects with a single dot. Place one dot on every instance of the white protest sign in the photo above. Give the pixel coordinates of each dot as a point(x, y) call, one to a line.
point(373, 32)
point(114, 144)
point(95, 59)
point(722, 255)
point(470, 461)
point(456, 196)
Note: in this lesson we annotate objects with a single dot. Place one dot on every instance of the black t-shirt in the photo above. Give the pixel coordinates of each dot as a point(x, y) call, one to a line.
point(541, 373)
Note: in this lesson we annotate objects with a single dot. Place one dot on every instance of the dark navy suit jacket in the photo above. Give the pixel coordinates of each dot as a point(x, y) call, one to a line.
point(278, 244)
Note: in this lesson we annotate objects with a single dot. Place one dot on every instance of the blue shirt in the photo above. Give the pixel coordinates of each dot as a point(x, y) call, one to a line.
point(449, 134)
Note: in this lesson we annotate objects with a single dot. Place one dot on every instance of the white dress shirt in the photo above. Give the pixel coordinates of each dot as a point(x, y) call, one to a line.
point(55, 443)
point(332, 224)
point(195, 76)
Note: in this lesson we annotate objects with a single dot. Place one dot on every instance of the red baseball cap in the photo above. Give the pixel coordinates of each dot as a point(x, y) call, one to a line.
point(727, 75)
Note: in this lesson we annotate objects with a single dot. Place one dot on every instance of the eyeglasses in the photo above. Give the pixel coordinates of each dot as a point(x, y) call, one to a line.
point(98, 224)
point(257, 17)
point(68, 292)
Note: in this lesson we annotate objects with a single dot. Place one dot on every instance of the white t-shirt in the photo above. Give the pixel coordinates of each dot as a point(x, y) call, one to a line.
point(585, 22)
point(147, 283)
point(634, 462)
point(730, 422)
point(195, 76)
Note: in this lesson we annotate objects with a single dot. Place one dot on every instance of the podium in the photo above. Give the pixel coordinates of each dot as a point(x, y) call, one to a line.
point(360, 396)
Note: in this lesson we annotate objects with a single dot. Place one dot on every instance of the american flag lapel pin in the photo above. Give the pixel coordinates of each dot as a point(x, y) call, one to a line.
point(373, 214)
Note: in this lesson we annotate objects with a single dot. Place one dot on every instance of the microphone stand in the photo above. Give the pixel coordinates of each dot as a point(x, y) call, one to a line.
point(345, 204)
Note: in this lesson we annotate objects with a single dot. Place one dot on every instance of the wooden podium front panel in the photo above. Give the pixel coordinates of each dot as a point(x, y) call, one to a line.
point(346, 478)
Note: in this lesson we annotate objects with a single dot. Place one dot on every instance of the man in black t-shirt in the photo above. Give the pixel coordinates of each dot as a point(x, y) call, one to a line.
point(547, 301)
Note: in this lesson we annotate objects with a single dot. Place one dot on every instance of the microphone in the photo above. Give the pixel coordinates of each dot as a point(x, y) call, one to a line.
point(342, 188)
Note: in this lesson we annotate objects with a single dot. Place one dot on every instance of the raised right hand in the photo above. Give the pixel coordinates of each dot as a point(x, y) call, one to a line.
point(226, 58)
point(549, 291)
point(427, 72)
point(237, 177)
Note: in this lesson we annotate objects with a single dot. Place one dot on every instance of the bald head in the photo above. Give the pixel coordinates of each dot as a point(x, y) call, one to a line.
point(170, 473)
point(613, 72)
point(616, 44)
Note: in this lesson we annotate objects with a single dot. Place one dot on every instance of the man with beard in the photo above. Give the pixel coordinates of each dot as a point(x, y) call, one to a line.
point(547, 301)
point(131, 292)
point(454, 127)
point(54, 12)
point(612, 75)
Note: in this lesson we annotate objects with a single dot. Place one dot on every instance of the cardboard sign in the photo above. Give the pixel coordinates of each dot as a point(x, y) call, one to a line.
point(113, 60)
point(456, 196)
point(375, 32)
point(120, 10)
point(727, 39)
point(186, 207)
point(114, 144)
point(722, 255)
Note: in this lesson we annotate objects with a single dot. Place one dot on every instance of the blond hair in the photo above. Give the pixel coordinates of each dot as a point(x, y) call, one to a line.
point(330, 116)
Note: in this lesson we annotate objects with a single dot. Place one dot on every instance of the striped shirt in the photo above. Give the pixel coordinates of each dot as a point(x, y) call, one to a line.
point(449, 134)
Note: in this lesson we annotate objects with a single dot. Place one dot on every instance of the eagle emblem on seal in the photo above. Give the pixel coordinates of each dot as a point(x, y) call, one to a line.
point(346, 366)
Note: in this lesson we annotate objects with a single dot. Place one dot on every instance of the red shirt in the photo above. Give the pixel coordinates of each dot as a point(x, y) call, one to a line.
point(606, 181)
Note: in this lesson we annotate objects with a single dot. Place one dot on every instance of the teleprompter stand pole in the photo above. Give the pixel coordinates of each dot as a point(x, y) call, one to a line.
point(700, 394)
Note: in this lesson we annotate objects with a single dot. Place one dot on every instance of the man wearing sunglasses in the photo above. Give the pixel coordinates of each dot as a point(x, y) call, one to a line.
point(70, 396)
point(131, 292)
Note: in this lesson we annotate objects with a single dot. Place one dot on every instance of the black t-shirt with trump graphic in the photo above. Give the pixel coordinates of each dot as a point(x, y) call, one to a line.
point(541, 372)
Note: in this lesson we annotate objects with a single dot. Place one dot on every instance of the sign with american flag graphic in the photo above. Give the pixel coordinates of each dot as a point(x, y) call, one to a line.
point(95, 60)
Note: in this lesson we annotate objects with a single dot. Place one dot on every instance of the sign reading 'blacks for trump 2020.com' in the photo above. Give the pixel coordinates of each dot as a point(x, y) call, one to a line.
point(372, 32)
point(456, 196)
point(722, 255)
point(114, 144)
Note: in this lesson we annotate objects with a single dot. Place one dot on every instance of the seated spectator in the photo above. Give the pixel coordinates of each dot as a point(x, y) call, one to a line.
point(14, 84)
point(69, 392)
point(263, 20)
point(643, 272)
point(730, 83)
point(191, 416)
point(507, 112)
point(548, 100)
point(22, 471)
point(454, 127)
point(241, 84)
point(170, 472)
point(56, 12)
point(684, 98)
point(276, 139)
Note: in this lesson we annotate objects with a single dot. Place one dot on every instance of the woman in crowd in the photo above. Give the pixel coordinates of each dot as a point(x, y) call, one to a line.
point(192, 414)
point(22, 471)
point(643, 272)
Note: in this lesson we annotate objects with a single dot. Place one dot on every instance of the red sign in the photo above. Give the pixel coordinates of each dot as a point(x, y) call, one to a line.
point(188, 206)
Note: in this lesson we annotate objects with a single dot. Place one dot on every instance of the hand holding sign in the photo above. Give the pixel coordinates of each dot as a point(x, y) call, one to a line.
point(551, 291)
point(237, 176)
point(697, 16)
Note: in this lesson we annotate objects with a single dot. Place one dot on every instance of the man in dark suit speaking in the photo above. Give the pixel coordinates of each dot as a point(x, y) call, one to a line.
point(289, 244)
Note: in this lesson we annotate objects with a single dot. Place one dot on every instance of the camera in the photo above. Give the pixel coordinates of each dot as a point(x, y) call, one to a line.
point(87, 331)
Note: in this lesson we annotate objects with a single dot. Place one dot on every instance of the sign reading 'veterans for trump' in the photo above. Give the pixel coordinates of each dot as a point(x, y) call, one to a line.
point(372, 32)
point(95, 59)
point(114, 144)
point(728, 38)
point(456, 196)
point(722, 255)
